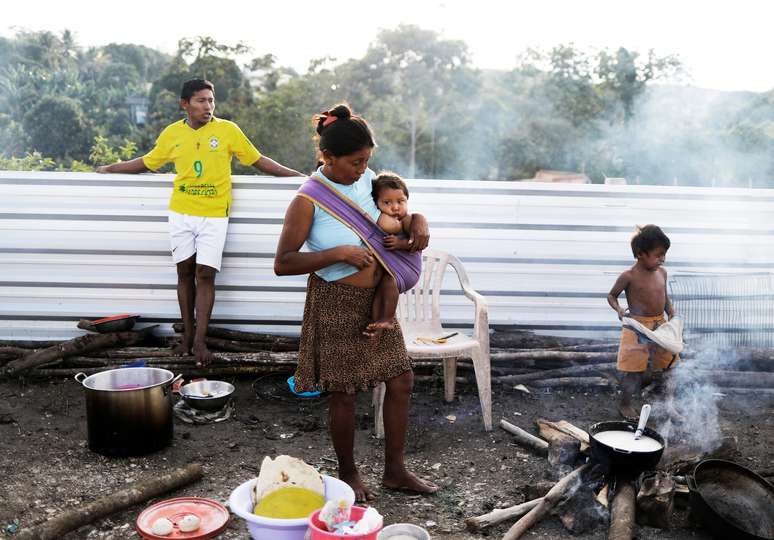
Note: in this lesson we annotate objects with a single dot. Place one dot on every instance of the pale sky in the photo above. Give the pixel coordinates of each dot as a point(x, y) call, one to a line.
point(724, 45)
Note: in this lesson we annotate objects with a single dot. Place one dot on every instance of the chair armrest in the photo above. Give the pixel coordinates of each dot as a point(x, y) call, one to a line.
point(481, 321)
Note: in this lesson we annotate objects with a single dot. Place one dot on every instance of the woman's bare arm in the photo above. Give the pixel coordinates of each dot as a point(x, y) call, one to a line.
point(289, 261)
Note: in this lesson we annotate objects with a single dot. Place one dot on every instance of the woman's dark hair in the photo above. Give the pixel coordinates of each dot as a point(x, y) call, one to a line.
point(341, 133)
point(387, 180)
point(648, 238)
point(194, 85)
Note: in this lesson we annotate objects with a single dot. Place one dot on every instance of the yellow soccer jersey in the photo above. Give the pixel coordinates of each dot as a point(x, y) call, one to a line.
point(202, 159)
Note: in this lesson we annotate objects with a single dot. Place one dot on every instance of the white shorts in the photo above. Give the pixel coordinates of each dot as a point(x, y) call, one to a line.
point(203, 236)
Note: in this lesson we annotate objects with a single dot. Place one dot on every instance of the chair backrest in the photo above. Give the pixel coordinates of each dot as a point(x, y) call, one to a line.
point(422, 304)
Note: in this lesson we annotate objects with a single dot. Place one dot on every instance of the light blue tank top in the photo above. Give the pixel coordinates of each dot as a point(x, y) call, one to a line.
point(328, 232)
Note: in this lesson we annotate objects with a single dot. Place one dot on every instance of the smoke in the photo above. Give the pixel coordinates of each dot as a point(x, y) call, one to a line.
point(692, 395)
point(690, 136)
point(677, 135)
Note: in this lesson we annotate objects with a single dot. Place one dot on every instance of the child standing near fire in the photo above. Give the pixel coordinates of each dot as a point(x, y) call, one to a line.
point(645, 286)
point(390, 194)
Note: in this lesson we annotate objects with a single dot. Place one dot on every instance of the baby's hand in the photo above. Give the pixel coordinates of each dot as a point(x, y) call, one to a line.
point(391, 242)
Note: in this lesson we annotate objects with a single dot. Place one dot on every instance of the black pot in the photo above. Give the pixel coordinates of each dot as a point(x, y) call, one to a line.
point(128, 410)
point(732, 501)
point(622, 462)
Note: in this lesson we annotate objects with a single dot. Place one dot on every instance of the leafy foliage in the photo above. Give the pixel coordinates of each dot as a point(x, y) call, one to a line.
point(434, 115)
point(56, 127)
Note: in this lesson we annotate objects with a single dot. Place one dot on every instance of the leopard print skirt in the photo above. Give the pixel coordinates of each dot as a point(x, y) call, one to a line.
point(334, 355)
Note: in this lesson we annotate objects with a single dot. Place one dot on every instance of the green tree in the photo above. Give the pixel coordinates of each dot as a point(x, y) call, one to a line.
point(147, 62)
point(102, 153)
point(624, 76)
point(280, 122)
point(415, 85)
point(13, 140)
point(268, 74)
point(30, 162)
point(56, 127)
point(231, 86)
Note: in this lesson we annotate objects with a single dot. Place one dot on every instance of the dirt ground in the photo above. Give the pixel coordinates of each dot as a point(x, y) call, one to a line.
point(46, 465)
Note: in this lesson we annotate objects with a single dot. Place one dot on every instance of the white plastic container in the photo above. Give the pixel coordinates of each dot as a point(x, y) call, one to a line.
point(403, 530)
point(263, 528)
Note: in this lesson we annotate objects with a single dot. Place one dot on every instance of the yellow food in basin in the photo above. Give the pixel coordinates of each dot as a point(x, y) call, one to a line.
point(289, 503)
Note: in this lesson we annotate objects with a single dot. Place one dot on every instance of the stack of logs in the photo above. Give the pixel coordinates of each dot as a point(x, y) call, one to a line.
point(550, 363)
point(566, 447)
point(581, 499)
point(584, 498)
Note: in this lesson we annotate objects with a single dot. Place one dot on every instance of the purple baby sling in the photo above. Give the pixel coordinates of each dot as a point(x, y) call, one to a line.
point(404, 266)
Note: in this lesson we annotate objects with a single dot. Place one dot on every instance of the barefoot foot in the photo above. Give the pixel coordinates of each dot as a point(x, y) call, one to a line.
point(182, 348)
point(628, 412)
point(202, 354)
point(408, 482)
point(375, 329)
point(362, 492)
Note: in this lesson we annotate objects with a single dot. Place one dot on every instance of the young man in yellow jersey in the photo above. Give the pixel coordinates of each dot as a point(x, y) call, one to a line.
point(201, 147)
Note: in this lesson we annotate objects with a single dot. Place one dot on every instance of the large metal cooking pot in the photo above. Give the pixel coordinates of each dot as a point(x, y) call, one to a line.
point(621, 462)
point(732, 501)
point(128, 410)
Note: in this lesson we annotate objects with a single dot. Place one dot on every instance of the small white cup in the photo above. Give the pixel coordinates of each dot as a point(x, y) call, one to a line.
point(405, 529)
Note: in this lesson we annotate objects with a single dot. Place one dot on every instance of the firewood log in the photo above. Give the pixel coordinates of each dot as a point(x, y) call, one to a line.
point(12, 353)
point(656, 500)
point(591, 347)
point(622, 512)
point(73, 347)
point(567, 356)
point(133, 352)
point(549, 501)
point(28, 343)
point(561, 372)
point(233, 345)
point(187, 370)
point(237, 335)
point(560, 382)
point(548, 429)
point(745, 379)
point(138, 492)
point(550, 432)
point(221, 358)
point(500, 514)
point(525, 439)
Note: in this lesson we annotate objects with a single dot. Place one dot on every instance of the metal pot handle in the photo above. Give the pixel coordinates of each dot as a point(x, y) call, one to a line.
point(168, 386)
point(691, 481)
point(81, 373)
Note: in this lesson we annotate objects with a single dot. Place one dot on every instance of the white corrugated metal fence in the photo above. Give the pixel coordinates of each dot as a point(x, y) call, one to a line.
point(83, 245)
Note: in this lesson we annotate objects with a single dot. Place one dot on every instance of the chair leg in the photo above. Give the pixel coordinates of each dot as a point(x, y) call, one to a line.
point(378, 402)
point(449, 378)
point(484, 383)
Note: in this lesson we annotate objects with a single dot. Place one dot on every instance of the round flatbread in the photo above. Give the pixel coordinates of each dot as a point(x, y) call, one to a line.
point(286, 471)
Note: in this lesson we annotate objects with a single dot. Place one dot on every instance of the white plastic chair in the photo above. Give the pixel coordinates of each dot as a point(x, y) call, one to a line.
point(419, 314)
